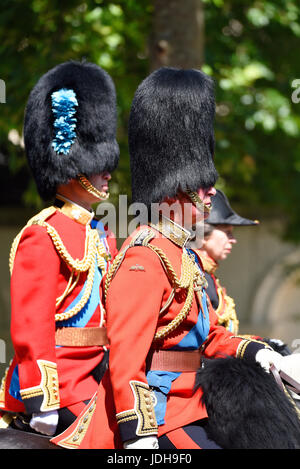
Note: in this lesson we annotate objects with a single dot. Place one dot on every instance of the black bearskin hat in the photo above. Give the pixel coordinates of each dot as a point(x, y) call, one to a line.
point(70, 125)
point(222, 213)
point(171, 135)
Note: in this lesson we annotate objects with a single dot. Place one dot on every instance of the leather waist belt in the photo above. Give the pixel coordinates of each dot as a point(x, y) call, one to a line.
point(170, 360)
point(81, 336)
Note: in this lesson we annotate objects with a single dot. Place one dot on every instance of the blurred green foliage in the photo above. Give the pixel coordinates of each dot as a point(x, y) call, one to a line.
point(36, 35)
point(250, 50)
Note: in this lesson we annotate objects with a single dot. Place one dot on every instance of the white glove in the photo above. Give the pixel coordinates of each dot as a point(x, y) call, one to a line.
point(266, 358)
point(291, 366)
point(45, 422)
point(146, 442)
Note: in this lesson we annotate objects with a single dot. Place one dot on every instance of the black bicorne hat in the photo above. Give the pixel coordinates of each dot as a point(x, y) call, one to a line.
point(70, 125)
point(171, 135)
point(222, 213)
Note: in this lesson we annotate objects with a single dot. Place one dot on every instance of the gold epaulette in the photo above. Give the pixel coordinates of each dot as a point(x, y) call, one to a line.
point(141, 239)
point(189, 277)
point(37, 219)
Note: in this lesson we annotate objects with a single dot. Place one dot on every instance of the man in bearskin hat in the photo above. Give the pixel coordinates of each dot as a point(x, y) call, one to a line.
point(159, 322)
point(59, 258)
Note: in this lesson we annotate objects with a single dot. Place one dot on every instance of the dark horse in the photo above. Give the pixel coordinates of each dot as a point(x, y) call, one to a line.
point(245, 406)
point(11, 438)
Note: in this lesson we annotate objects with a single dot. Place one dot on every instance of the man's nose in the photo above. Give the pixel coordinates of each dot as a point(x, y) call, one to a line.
point(211, 191)
point(107, 175)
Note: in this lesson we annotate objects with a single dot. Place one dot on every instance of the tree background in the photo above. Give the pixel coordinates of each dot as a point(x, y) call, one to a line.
point(249, 48)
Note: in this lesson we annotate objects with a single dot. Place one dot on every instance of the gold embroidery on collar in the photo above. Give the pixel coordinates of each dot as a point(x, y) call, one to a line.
point(209, 265)
point(75, 212)
point(226, 312)
point(171, 230)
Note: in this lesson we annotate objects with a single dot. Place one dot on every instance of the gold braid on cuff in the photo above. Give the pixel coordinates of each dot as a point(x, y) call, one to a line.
point(85, 183)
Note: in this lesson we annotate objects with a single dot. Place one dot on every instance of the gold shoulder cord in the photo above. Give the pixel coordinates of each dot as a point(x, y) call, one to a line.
point(185, 282)
point(34, 220)
point(94, 252)
point(189, 275)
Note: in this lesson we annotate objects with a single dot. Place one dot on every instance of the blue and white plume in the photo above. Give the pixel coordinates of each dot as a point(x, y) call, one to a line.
point(64, 103)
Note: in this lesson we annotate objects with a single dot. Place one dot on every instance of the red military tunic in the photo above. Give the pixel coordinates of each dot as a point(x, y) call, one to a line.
point(133, 399)
point(44, 289)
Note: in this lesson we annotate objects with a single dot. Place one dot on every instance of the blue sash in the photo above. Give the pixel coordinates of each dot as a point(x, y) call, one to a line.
point(79, 320)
